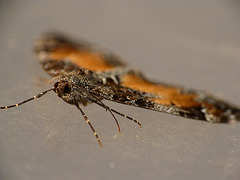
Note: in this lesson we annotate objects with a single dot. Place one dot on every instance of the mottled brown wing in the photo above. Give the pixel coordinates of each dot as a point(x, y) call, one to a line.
point(135, 90)
point(58, 53)
point(163, 94)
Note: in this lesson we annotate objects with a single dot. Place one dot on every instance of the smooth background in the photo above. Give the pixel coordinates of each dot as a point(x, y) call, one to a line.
point(195, 44)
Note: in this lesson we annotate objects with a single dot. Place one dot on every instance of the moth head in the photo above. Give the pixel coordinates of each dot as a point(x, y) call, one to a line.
point(64, 90)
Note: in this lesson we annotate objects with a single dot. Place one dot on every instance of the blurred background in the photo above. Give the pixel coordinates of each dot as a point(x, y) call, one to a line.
point(195, 44)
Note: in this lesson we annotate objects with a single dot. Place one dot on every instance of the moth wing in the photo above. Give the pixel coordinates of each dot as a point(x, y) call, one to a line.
point(58, 53)
point(136, 90)
point(134, 97)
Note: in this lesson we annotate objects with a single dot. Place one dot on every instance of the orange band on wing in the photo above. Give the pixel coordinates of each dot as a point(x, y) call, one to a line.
point(81, 58)
point(135, 82)
point(167, 95)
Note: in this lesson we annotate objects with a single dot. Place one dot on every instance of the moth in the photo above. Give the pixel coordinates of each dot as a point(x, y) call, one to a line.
point(87, 73)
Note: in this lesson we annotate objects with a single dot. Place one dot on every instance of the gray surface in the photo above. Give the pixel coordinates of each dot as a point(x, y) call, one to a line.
point(194, 44)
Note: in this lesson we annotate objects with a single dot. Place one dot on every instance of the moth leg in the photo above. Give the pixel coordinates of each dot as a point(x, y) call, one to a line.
point(107, 109)
point(124, 115)
point(87, 120)
point(100, 103)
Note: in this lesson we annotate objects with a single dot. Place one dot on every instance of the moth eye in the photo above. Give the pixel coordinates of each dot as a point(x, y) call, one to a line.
point(67, 89)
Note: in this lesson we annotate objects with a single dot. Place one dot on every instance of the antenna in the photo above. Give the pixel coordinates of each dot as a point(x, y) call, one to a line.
point(30, 99)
